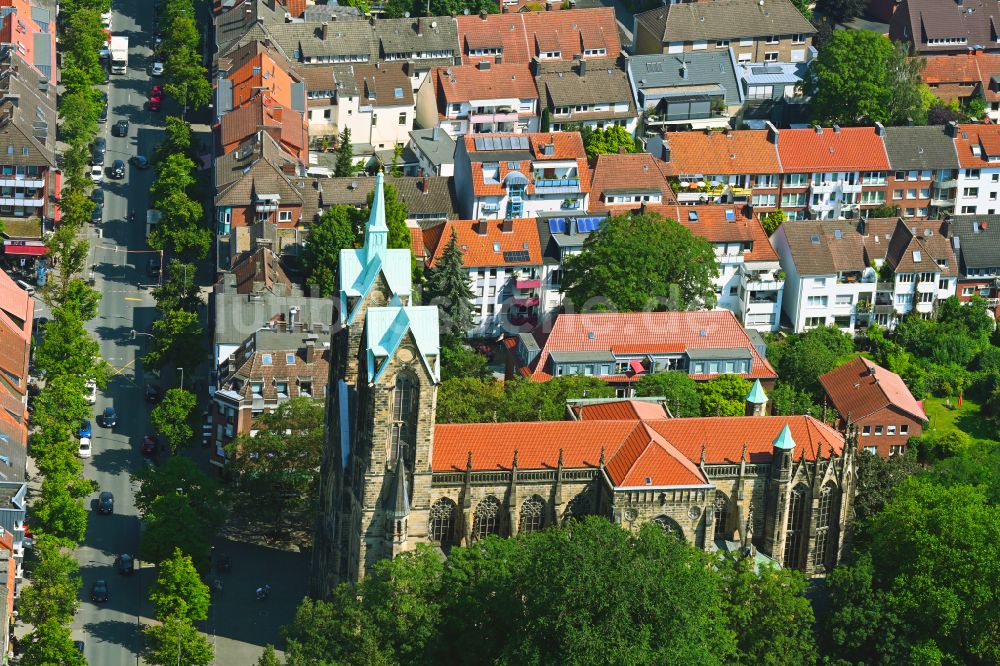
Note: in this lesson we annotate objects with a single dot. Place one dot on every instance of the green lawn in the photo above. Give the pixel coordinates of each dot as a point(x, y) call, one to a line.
point(967, 419)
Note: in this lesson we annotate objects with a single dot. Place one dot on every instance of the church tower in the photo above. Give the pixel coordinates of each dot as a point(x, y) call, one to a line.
point(756, 400)
point(377, 338)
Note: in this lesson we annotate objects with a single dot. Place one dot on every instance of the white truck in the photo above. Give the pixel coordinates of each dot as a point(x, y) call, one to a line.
point(119, 54)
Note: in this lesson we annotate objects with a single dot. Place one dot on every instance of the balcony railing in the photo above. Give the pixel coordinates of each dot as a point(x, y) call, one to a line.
point(527, 283)
point(24, 203)
point(21, 181)
point(525, 301)
point(479, 118)
point(556, 182)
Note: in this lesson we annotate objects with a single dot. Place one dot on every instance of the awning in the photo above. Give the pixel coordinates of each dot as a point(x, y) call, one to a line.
point(526, 302)
point(635, 365)
point(24, 250)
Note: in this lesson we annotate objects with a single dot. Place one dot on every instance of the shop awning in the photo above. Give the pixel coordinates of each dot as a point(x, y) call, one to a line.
point(24, 250)
point(635, 365)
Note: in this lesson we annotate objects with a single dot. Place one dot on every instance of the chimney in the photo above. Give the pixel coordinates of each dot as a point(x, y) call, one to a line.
point(879, 129)
point(772, 133)
point(420, 27)
point(665, 152)
point(293, 315)
point(325, 30)
point(483, 65)
point(952, 129)
point(310, 351)
point(436, 133)
point(909, 121)
point(507, 226)
point(836, 128)
point(481, 227)
point(499, 59)
point(482, 16)
point(621, 150)
point(863, 226)
point(583, 67)
point(684, 70)
point(425, 185)
point(277, 114)
point(818, 128)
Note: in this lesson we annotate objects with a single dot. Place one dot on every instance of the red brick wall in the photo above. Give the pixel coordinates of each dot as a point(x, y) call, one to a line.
point(883, 419)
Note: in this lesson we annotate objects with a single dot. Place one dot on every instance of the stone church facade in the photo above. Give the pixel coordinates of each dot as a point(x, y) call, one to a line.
point(778, 486)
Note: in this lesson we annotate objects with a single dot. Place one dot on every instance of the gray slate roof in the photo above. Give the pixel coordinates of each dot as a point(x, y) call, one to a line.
point(439, 150)
point(724, 19)
point(920, 148)
point(977, 247)
point(602, 82)
point(707, 68)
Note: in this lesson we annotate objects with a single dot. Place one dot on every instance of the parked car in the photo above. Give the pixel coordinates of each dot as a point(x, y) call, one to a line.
point(155, 98)
point(91, 395)
point(99, 591)
point(153, 393)
point(97, 216)
point(97, 196)
point(103, 118)
point(79, 645)
point(125, 564)
point(97, 173)
point(84, 451)
point(98, 150)
point(149, 446)
point(118, 169)
point(157, 69)
point(109, 419)
point(85, 429)
point(120, 128)
point(106, 503)
point(139, 161)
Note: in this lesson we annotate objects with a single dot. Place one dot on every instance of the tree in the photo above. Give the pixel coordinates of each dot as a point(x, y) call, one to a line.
point(395, 170)
point(460, 360)
point(878, 480)
point(174, 174)
point(176, 139)
point(786, 400)
point(177, 342)
point(680, 391)
point(468, 400)
point(179, 590)
point(177, 640)
point(344, 166)
point(51, 643)
point(608, 141)
point(67, 348)
point(269, 657)
point(638, 262)
point(885, 210)
point(202, 491)
point(448, 288)
point(55, 583)
point(334, 631)
point(771, 221)
point(801, 359)
point(82, 299)
point(178, 291)
point(724, 395)
point(858, 78)
point(804, 8)
point(768, 613)
point(395, 218)
point(70, 253)
point(173, 523)
point(857, 615)
point(275, 470)
point(58, 510)
point(909, 97)
point(841, 11)
point(173, 416)
point(334, 231)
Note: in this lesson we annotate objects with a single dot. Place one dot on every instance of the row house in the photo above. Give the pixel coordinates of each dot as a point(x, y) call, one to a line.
point(506, 272)
point(946, 26)
point(621, 348)
point(263, 113)
point(521, 175)
point(687, 90)
point(479, 99)
point(376, 103)
point(978, 183)
point(434, 150)
point(962, 77)
point(16, 320)
point(539, 36)
point(757, 30)
point(592, 93)
point(428, 199)
point(29, 30)
point(924, 165)
point(976, 243)
point(269, 368)
point(844, 274)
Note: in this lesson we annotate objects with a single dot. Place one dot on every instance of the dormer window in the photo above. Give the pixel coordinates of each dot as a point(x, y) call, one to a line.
point(550, 55)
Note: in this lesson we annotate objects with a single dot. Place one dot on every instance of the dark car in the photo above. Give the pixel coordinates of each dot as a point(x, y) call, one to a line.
point(153, 393)
point(109, 419)
point(118, 169)
point(121, 128)
point(85, 429)
point(97, 196)
point(97, 216)
point(79, 645)
point(153, 266)
point(97, 151)
point(99, 591)
point(139, 161)
point(106, 503)
point(125, 564)
point(149, 446)
point(103, 118)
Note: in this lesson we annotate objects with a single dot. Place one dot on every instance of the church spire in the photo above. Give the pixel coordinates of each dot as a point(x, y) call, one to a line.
point(376, 231)
point(398, 504)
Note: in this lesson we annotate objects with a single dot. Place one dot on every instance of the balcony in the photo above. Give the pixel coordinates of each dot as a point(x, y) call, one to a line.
point(946, 184)
point(855, 277)
point(885, 286)
point(24, 203)
point(521, 319)
point(851, 188)
point(525, 301)
point(527, 283)
point(21, 181)
point(763, 281)
point(552, 183)
point(265, 206)
point(481, 118)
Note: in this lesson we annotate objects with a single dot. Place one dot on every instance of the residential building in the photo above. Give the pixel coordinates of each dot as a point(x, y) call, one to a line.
point(846, 274)
point(13, 508)
point(435, 152)
point(593, 93)
point(17, 310)
point(924, 170)
point(376, 103)
point(543, 36)
point(628, 181)
point(521, 175)
point(978, 183)
point(287, 126)
point(268, 368)
point(8, 588)
point(687, 90)
point(877, 403)
point(321, 100)
point(962, 77)
point(260, 72)
point(772, 82)
point(30, 30)
point(976, 242)
point(952, 26)
point(506, 273)
point(561, 235)
point(427, 199)
point(479, 99)
point(773, 32)
point(417, 482)
point(622, 347)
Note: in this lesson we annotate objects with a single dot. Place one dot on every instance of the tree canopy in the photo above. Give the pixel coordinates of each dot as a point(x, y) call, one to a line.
point(474, 400)
point(448, 287)
point(335, 230)
point(678, 388)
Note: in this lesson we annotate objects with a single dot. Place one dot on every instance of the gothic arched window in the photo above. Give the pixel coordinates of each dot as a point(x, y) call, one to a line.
point(798, 504)
point(823, 520)
point(532, 514)
point(405, 398)
point(442, 521)
point(669, 525)
point(721, 506)
point(487, 518)
point(577, 508)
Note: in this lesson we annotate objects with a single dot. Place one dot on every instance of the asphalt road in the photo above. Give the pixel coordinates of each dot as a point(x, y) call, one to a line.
point(119, 254)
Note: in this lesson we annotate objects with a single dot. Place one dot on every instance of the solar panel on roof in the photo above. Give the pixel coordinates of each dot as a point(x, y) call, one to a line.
point(521, 143)
point(480, 144)
point(557, 225)
point(516, 256)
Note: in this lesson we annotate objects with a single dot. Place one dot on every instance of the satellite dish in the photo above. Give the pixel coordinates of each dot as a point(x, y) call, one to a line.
point(406, 14)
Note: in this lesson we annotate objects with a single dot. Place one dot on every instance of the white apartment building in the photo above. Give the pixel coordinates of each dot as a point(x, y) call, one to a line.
point(376, 102)
point(977, 187)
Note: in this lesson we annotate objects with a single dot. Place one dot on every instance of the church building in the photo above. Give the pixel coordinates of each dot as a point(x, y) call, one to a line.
point(779, 486)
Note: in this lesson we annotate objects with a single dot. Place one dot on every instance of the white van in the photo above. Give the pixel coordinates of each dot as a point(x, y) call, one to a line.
point(91, 395)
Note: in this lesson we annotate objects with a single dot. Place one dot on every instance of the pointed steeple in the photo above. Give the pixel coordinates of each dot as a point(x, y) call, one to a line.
point(756, 400)
point(398, 504)
point(376, 231)
point(784, 440)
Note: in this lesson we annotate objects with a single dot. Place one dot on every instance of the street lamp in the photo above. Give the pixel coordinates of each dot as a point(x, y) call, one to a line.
point(182, 376)
point(133, 333)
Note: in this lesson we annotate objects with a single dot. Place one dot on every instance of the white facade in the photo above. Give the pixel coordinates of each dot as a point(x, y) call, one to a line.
point(978, 191)
point(490, 115)
point(571, 115)
point(505, 299)
point(556, 188)
point(382, 126)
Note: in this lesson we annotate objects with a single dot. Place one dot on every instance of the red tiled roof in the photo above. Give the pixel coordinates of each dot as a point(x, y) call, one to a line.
point(566, 146)
point(604, 331)
point(722, 153)
point(17, 305)
point(981, 137)
point(860, 388)
point(469, 83)
point(628, 173)
point(616, 410)
point(261, 72)
point(480, 250)
point(520, 34)
point(637, 453)
point(713, 225)
point(850, 148)
point(944, 73)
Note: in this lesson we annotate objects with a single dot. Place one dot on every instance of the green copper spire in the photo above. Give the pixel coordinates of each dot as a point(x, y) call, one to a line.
point(757, 395)
point(784, 440)
point(376, 231)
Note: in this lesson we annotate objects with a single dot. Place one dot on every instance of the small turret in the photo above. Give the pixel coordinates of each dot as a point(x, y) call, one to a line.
point(376, 230)
point(756, 400)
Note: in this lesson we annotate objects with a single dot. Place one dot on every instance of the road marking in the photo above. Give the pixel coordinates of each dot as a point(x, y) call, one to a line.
point(129, 298)
point(124, 367)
